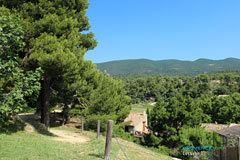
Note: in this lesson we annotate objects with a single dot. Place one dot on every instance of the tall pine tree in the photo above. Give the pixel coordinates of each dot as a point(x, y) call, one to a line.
point(54, 40)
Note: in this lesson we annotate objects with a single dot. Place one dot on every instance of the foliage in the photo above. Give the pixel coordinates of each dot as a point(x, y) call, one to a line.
point(18, 88)
point(119, 132)
point(186, 102)
point(152, 140)
point(109, 99)
point(11, 35)
point(227, 109)
point(168, 116)
point(205, 89)
point(141, 68)
point(55, 42)
point(91, 121)
point(198, 137)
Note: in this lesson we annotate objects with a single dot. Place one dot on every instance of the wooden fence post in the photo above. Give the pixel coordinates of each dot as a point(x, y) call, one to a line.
point(82, 125)
point(108, 140)
point(238, 146)
point(98, 129)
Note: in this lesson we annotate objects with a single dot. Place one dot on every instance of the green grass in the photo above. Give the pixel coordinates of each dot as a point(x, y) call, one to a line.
point(37, 146)
point(141, 107)
point(23, 146)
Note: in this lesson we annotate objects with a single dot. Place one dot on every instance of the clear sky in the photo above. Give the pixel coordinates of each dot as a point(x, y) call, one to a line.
point(164, 29)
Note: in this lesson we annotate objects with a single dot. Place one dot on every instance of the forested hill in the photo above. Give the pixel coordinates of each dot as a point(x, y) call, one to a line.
point(145, 67)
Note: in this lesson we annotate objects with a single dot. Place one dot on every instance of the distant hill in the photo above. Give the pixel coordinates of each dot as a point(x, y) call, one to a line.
point(145, 67)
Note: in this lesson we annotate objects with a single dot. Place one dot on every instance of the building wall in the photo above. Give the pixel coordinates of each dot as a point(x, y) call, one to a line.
point(139, 126)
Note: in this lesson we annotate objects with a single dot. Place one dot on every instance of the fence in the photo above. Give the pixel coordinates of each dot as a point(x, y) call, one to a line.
point(228, 153)
point(108, 144)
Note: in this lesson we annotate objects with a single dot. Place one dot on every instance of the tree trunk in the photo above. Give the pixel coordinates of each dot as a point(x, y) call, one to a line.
point(67, 113)
point(67, 119)
point(45, 115)
point(41, 102)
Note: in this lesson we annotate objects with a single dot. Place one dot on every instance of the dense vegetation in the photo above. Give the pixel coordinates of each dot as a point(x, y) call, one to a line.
point(17, 87)
point(151, 88)
point(184, 103)
point(42, 63)
point(143, 67)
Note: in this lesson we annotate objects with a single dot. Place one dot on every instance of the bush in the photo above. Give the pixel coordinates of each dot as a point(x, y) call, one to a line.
point(11, 125)
point(91, 121)
point(119, 131)
point(152, 141)
point(17, 87)
point(196, 137)
point(4, 124)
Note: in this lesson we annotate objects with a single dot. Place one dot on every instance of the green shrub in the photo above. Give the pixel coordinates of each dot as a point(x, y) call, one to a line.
point(17, 87)
point(91, 121)
point(196, 137)
point(152, 141)
point(119, 132)
point(11, 125)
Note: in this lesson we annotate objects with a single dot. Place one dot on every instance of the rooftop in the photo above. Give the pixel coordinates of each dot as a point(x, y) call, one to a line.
point(223, 129)
point(135, 118)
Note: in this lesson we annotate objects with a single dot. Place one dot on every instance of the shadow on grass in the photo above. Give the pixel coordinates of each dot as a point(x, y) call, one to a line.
point(96, 155)
point(33, 120)
point(12, 126)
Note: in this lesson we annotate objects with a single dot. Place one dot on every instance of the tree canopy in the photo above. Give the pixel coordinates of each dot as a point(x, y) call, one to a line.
point(17, 87)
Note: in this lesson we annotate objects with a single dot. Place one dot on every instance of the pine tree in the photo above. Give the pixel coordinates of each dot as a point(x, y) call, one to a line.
point(54, 40)
point(109, 99)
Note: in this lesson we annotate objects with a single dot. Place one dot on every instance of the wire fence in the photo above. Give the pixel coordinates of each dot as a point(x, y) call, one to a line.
point(120, 146)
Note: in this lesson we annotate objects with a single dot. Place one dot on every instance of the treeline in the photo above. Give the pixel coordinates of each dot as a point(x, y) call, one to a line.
point(145, 67)
point(42, 65)
point(126, 76)
point(150, 88)
point(183, 104)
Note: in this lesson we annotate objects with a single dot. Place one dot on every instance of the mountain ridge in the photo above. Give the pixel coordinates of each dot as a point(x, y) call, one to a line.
point(171, 67)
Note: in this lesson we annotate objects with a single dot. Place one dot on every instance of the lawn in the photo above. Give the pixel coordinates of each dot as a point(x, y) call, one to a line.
point(141, 107)
point(24, 145)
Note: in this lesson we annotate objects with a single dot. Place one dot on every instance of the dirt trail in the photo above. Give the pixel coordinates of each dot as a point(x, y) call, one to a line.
point(69, 136)
point(153, 103)
point(61, 135)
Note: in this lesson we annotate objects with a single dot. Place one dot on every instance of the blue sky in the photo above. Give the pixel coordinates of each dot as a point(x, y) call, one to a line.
point(164, 29)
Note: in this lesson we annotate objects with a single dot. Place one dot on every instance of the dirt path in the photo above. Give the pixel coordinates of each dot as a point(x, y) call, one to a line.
point(153, 103)
point(69, 136)
point(60, 134)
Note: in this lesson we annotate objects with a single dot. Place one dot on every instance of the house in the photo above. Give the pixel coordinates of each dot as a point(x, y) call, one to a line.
point(225, 131)
point(138, 124)
point(230, 135)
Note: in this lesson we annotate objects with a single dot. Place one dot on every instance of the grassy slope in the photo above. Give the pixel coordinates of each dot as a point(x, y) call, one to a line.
point(141, 107)
point(28, 146)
